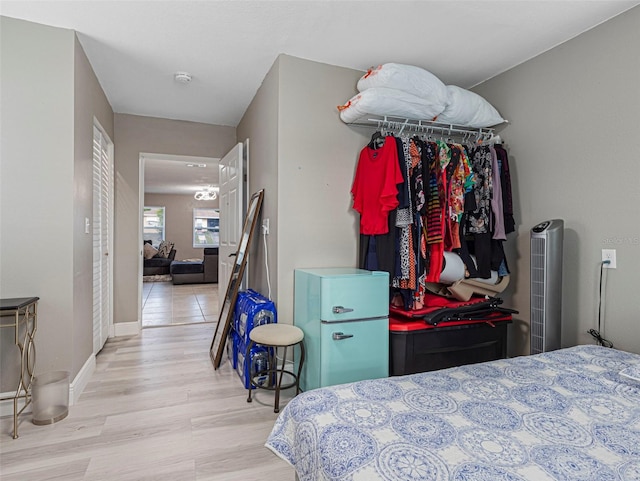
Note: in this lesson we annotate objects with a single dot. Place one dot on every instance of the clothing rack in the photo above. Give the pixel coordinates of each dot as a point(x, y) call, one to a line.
point(427, 127)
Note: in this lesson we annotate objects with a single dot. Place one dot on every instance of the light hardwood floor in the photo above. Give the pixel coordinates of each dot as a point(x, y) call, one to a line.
point(155, 409)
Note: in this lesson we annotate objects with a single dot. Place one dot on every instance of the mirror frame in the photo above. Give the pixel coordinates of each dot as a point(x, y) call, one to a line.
point(226, 310)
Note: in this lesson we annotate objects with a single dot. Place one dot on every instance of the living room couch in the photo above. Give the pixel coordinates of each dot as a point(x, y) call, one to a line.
point(157, 265)
point(196, 272)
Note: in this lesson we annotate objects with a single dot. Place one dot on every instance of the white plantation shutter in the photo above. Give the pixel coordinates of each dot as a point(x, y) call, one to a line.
point(102, 237)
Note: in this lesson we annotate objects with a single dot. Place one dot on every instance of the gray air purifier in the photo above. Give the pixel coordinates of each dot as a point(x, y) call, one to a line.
point(546, 285)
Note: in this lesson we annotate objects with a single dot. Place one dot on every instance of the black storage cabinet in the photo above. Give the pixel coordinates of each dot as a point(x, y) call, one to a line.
point(415, 346)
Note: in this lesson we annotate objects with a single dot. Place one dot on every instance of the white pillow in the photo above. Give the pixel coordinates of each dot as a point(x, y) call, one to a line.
point(391, 102)
point(468, 109)
point(149, 251)
point(408, 78)
point(164, 249)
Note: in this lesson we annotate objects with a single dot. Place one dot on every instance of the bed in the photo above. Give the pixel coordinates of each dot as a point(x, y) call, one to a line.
point(571, 414)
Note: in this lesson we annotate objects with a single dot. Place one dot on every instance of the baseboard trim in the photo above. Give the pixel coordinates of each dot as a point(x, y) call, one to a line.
point(82, 379)
point(76, 387)
point(121, 329)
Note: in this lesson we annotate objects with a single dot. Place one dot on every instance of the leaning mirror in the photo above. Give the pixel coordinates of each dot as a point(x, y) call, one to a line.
point(226, 311)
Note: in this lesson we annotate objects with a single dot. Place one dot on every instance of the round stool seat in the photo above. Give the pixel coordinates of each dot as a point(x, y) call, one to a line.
point(274, 337)
point(276, 334)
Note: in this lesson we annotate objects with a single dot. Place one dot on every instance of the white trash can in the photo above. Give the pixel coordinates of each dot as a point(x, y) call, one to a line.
point(50, 397)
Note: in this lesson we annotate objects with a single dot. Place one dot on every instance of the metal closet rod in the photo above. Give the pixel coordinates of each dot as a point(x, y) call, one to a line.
point(425, 126)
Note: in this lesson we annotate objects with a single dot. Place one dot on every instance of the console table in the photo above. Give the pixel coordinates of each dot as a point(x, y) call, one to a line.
point(21, 314)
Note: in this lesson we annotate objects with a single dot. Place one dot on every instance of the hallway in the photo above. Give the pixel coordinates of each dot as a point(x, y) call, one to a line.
point(164, 304)
point(154, 410)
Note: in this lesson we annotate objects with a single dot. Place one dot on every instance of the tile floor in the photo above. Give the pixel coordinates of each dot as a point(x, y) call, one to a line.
point(164, 304)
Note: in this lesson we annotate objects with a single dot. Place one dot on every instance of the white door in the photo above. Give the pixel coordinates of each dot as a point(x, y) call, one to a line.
point(231, 200)
point(102, 237)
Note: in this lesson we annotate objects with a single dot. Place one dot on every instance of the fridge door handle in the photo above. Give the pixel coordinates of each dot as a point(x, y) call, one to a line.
point(338, 336)
point(341, 310)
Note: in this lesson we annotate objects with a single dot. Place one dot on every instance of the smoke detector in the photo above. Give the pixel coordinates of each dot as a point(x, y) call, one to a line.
point(182, 77)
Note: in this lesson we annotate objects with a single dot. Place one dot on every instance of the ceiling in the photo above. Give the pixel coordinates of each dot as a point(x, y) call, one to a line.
point(176, 174)
point(135, 47)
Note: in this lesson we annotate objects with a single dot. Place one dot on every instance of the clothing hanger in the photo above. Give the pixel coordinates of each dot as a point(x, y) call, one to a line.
point(480, 139)
point(377, 139)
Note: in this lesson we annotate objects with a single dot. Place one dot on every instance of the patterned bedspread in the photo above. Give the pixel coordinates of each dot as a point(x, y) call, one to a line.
point(563, 415)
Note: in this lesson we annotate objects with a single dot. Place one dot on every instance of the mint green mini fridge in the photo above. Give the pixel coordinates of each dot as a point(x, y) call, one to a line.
point(344, 313)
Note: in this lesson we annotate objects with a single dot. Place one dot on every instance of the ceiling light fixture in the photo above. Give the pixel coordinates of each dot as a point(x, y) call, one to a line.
point(208, 193)
point(182, 77)
point(197, 165)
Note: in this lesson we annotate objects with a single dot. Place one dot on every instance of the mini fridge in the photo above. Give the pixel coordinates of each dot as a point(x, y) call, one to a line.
point(344, 313)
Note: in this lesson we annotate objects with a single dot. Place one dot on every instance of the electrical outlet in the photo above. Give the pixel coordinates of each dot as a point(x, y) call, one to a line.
point(609, 255)
point(265, 226)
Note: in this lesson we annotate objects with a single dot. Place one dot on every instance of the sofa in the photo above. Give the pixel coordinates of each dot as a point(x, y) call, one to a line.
point(196, 272)
point(158, 265)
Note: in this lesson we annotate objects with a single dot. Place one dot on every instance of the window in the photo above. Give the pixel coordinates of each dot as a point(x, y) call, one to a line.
point(206, 227)
point(153, 224)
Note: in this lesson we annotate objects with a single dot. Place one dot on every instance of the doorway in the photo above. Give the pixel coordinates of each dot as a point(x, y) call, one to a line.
point(168, 184)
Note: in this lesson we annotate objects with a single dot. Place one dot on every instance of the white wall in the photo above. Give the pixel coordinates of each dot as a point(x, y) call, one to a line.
point(572, 138)
point(317, 159)
point(49, 97)
point(36, 197)
point(134, 135)
point(260, 125)
point(89, 102)
point(312, 154)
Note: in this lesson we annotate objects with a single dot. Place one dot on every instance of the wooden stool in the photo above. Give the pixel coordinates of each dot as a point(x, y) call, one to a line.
point(275, 336)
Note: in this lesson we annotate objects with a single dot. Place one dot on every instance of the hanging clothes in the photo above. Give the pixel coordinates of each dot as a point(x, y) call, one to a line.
point(460, 181)
point(505, 181)
point(409, 235)
point(450, 198)
point(404, 219)
point(483, 227)
point(378, 252)
point(374, 189)
point(496, 199)
point(433, 209)
point(478, 221)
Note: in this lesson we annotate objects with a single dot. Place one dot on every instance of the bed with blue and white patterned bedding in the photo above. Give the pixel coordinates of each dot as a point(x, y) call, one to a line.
point(564, 415)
